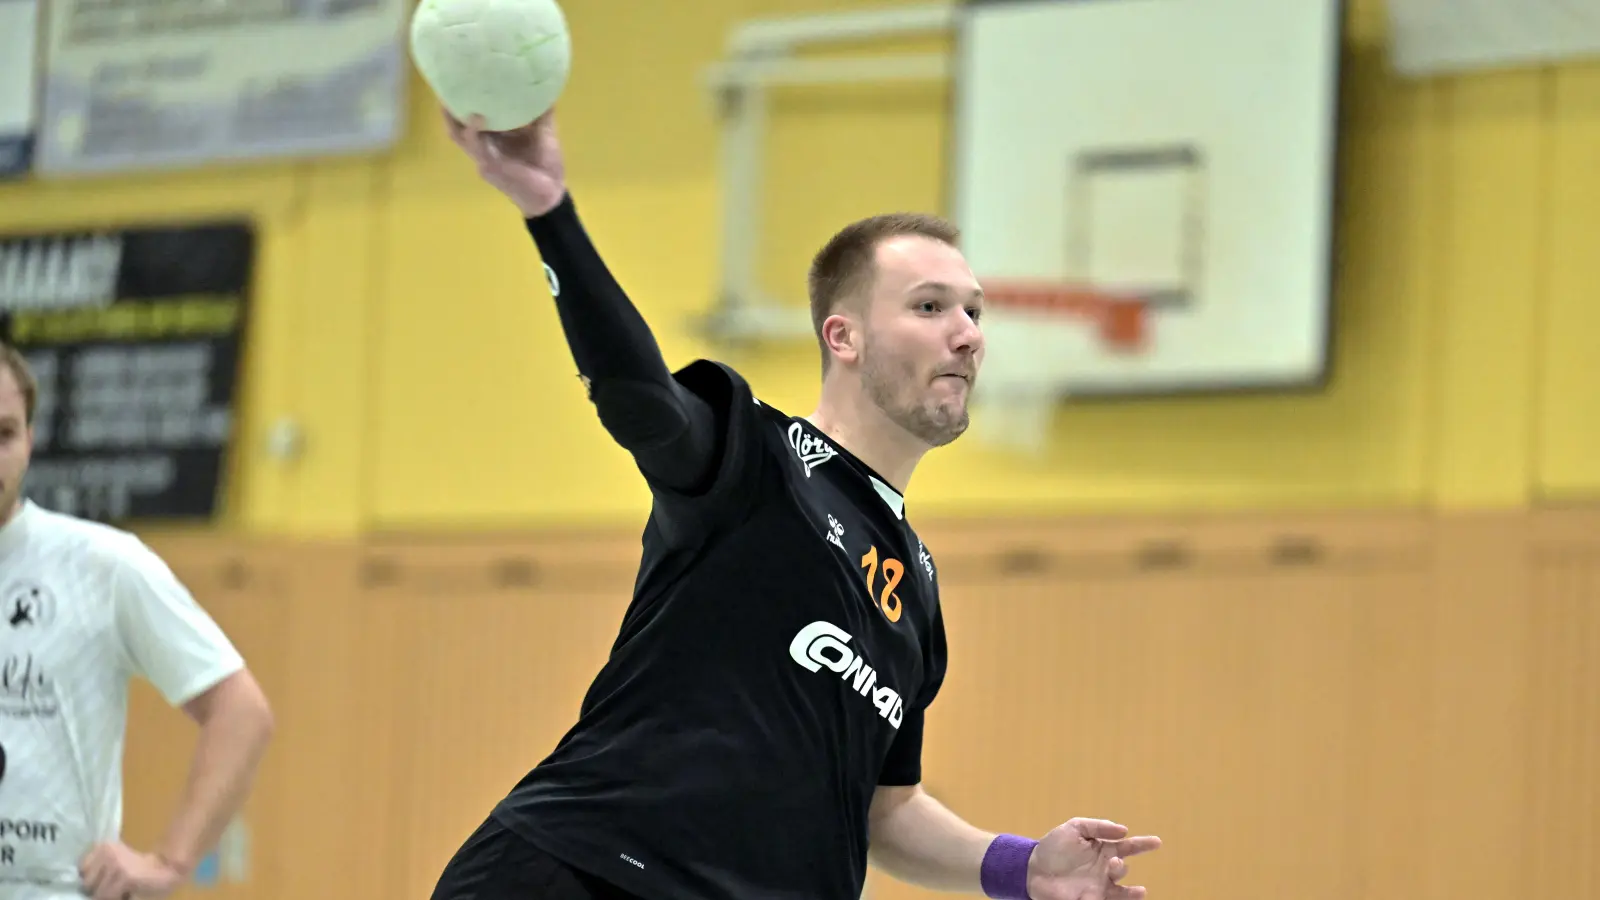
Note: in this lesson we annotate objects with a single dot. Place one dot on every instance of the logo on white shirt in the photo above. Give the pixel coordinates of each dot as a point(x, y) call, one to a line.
point(27, 604)
point(26, 690)
point(812, 450)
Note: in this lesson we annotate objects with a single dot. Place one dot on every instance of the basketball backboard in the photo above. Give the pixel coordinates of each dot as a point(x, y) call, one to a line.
point(1175, 153)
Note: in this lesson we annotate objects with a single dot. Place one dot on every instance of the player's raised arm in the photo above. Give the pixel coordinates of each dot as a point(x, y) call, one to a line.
point(671, 432)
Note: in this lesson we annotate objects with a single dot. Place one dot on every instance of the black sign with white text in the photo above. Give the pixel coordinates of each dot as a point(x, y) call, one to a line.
point(135, 337)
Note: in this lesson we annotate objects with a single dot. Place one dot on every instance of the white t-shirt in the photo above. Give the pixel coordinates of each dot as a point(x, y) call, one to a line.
point(83, 608)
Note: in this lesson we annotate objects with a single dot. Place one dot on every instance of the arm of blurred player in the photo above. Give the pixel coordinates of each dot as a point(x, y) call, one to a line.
point(236, 724)
point(671, 432)
point(175, 645)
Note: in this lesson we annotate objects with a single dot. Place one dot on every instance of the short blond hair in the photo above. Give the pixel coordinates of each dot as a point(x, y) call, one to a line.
point(846, 264)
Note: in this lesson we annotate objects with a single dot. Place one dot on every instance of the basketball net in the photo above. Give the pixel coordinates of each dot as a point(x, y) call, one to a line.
point(1037, 337)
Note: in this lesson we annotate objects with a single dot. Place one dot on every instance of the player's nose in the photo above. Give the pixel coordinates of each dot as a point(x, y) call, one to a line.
point(965, 335)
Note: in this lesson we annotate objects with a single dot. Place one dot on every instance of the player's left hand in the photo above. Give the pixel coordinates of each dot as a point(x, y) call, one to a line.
point(114, 871)
point(1084, 859)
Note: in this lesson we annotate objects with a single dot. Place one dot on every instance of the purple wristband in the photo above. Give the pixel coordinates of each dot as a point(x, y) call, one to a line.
point(1004, 874)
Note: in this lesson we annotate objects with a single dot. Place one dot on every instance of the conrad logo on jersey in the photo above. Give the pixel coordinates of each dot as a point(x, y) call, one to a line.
point(812, 450)
point(824, 645)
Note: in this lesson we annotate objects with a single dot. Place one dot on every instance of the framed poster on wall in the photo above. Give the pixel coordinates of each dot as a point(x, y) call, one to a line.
point(135, 337)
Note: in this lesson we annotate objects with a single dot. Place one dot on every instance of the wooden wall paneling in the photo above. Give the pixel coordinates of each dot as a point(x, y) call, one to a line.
point(245, 588)
point(1203, 679)
point(332, 731)
point(1389, 743)
point(488, 649)
point(1478, 716)
point(1562, 777)
point(1305, 706)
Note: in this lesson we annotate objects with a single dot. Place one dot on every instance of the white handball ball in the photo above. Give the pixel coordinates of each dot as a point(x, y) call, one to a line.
point(505, 60)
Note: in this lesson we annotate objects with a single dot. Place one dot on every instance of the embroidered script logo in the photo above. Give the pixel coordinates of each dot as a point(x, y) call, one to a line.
point(26, 692)
point(813, 451)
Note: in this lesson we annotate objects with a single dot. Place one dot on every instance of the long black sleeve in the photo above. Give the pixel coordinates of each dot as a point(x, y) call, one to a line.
point(671, 432)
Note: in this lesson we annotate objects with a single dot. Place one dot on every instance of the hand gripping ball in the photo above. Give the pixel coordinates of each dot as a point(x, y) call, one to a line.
point(506, 60)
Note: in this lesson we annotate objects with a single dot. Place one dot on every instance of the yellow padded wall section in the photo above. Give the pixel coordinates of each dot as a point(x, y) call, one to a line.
point(1453, 381)
point(402, 318)
point(467, 325)
point(1567, 412)
point(1452, 384)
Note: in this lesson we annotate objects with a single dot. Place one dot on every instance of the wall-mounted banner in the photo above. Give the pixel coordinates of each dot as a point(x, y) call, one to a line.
point(19, 33)
point(182, 83)
point(135, 338)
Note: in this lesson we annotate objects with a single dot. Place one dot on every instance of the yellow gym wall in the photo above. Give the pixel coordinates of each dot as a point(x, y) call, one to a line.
point(401, 316)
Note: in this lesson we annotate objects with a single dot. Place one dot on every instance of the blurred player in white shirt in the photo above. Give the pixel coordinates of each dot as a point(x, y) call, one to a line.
point(83, 609)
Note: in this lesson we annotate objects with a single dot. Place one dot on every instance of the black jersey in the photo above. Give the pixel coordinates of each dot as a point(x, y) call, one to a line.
point(771, 671)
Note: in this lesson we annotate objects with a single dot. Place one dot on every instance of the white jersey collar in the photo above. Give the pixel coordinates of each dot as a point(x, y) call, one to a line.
point(892, 497)
point(13, 532)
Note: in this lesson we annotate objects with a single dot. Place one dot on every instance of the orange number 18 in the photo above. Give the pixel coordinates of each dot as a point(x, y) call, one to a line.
point(887, 600)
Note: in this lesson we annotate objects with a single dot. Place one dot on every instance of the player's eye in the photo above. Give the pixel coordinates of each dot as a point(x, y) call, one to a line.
point(974, 313)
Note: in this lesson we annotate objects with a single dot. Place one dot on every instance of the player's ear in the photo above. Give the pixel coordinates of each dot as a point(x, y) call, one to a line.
point(842, 337)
